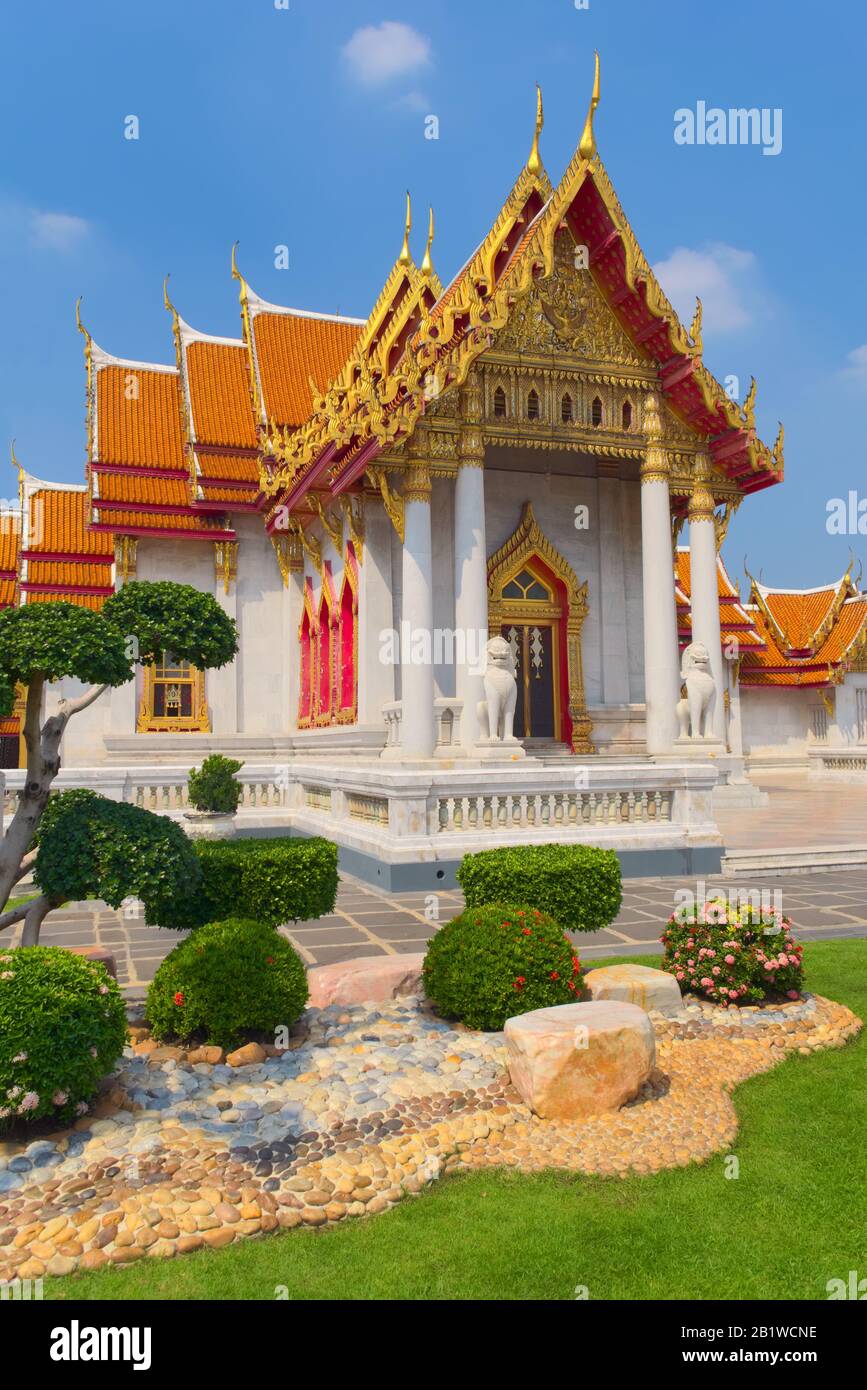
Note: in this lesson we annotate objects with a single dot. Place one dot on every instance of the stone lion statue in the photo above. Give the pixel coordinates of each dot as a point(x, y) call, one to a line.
point(695, 709)
point(497, 711)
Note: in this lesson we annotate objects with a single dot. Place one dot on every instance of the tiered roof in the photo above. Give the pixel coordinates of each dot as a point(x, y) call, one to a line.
point(786, 637)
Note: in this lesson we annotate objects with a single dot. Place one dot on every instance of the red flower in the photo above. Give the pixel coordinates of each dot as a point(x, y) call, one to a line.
point(520, 982)
point(570, 984)
point(179, 998)
point(554, 975)
point(576, 964)
point(269, 960)
point(525, 931)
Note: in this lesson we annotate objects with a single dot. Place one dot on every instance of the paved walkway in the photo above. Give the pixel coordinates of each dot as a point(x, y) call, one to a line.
point(799, 813)
point(367, 921)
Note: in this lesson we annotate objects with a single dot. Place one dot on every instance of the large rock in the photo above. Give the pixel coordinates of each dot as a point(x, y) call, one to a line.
point(577, 1060)
point(366, 978)
point(98, 954)
point(636, 984)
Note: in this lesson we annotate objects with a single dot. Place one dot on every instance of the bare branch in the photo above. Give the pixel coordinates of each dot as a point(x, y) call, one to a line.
point(68, 708)
point(15, 914)
point(37, 910)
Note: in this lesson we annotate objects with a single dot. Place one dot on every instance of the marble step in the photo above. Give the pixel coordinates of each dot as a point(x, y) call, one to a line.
point(800, 859)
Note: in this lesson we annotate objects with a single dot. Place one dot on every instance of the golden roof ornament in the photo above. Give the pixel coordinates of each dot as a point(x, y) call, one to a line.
point(749, 406)
point(534, 162)
point(695, 328)
point(405, 258)
point(587, 143)
point(427, 263)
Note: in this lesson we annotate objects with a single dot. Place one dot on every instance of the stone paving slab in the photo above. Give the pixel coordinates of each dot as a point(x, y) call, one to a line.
point(825, 905)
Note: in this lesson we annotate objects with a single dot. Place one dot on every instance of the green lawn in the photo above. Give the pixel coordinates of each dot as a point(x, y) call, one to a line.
point(795, 1218)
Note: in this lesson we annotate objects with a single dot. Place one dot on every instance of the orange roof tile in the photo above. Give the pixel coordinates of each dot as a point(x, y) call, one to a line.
point(58, 525)
point(136, 488)
point(10, 540)
point(234, 467)
point(94, 601)
point(68, 572)
point(799, 615)
point(291, 347)
point(7, 592)
point(139, 416)
point(219, 387)
point(123, 519)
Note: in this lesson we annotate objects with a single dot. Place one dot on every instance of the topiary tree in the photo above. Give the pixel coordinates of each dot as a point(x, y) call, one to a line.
point(44, 642)
point(214, 786)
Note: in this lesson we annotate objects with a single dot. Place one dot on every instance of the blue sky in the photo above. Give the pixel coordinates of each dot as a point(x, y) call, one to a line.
point(303, 126)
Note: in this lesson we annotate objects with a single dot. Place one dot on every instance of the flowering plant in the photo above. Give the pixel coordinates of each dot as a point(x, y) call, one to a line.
point(62, 1029)
point(733, 954)
point(493, 962)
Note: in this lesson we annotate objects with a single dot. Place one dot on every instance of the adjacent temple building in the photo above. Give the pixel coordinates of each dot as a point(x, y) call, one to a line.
point(449, 535)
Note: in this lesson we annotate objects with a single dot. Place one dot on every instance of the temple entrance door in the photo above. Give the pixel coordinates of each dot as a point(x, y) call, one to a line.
point(534, 651)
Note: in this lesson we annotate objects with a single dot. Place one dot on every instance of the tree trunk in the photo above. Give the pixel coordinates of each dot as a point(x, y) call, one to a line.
point(37, 911)
point(43, 765)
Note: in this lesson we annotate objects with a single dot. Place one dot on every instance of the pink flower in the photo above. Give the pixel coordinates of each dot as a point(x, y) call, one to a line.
point(20, 1057)
point(16, 1091)
point(103, 989)
point(59, 1098)
point(716, 970)
point(28, 1102)
point(691, 964)
point(730, 960)
point(7, 975)
point(707, 982)
point(81, 1108)
point(793, 994)
point(733, 994)
point(679, 974)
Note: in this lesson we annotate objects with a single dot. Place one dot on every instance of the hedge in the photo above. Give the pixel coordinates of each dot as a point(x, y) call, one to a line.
point(269, 880)
point(577, 885)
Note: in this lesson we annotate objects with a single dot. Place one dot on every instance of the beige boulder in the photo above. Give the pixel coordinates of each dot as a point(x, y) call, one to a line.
point(636, 984)
point(366, 978)
point(577, 1060)
point(247, 1056)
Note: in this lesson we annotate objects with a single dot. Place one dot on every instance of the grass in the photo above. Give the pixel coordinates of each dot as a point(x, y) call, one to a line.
point(794, 1218)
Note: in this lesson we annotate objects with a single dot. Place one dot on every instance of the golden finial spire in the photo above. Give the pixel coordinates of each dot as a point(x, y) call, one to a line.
point(405, 258)
point(749, 406)
point(587, 144)
point(534, 163)
point(166, 301)
point(16, 465)
point(236, 274)
point(427, 263)
point(695, 327)
point(79, 325)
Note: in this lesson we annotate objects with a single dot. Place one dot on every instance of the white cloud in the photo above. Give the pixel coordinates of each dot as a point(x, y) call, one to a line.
point(414, 101)
point(720, 275)
point(856, 365)
point(378, 52)
point(57, 231)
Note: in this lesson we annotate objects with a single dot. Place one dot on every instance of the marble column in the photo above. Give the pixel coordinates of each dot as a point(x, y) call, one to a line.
point(704, 584)
point(221, 683)
point(123, 699)
point(661, 663)
point(612, 586)
point(418, 725)
point(290, 557)
point(735, 722)
point(471, 562)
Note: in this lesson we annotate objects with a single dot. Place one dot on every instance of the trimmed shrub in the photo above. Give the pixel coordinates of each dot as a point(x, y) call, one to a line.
point(214, 786)
point(270, 880)
point(226, 980)
point(93, 847)
point(733, 955)
point(62, 1029)
point(578, 885)
point(493, 962)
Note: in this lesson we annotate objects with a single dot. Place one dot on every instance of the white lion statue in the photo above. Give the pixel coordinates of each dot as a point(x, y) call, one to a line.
point(695, 710)
point(497, 711)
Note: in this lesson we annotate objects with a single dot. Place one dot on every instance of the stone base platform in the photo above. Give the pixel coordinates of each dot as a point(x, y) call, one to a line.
point(371, 1104)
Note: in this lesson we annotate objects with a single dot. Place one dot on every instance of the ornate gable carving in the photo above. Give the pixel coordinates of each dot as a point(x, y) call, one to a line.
point(567, 313)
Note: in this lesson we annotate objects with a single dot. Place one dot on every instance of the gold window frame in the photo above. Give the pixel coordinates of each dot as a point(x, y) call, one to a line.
point(197, 722)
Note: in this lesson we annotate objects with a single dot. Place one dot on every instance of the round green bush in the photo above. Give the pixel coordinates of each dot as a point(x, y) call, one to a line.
point(493, 962)
point(214, 786)
point(62, 1029)
point(228, 979)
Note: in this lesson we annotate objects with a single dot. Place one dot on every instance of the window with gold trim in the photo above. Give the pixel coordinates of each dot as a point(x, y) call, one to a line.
point(173, 698)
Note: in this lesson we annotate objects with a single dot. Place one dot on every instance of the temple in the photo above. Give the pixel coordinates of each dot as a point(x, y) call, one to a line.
point(450, 535)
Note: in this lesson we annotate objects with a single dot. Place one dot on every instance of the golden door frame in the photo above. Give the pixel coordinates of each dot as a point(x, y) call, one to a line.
point(529, 548)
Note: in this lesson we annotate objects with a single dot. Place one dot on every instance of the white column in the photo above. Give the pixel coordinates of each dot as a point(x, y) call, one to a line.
point(612, 586)
point(471, 562)
point(704, 585)
point(735, 726)
point(292, 573)
point(221, 683)
point(661, 667)
point(418, 727)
